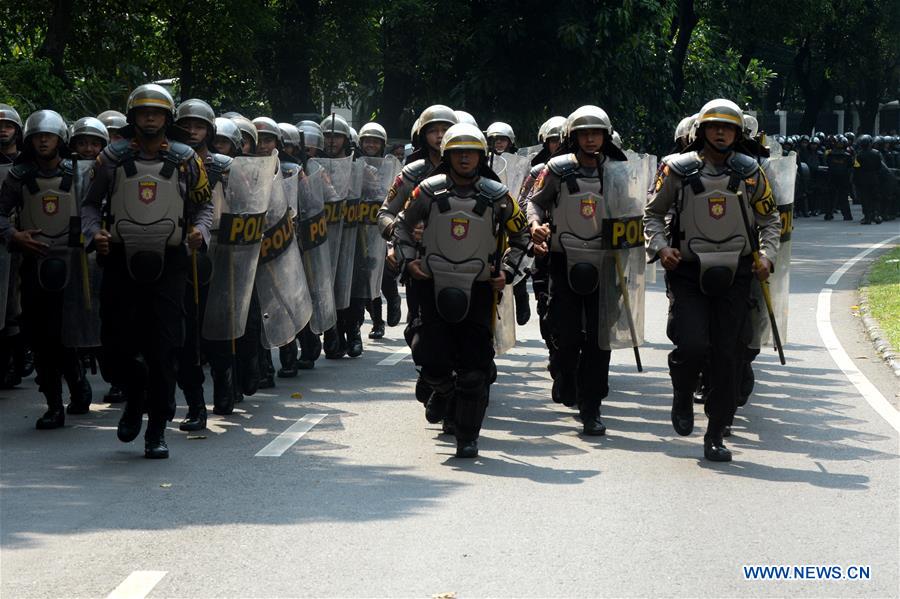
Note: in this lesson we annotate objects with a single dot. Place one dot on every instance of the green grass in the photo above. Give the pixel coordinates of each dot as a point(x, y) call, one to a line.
point(883, 289)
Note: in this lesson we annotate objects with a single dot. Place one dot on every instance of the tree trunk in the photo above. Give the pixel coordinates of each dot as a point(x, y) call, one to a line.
point(397, 86)
point(814, 96)
point(59, 30)
point(687, 20)
point(185, 59)
point(290, 91)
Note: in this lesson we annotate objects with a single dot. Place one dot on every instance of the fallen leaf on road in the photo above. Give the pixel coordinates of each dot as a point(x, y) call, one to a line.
point(166, 485)
point(192, 437)
point(297, 395)
point(854, 307)
point(450, 595)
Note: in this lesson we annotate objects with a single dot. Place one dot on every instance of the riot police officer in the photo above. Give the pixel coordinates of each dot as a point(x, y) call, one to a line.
point(89, 137)
point(867, 179)
point(717, 193)
point(11, 339)
point(427, 133)
point(465, 211)
point(114, 121)
point(40, 189)
point(158, 209)
point(372, 140)
point(501, 138)
point(840, 164)
point(569, 193)
point(249, 134)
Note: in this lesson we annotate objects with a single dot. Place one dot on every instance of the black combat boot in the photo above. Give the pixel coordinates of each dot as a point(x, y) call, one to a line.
point(288, 355)
point(714, 448)
point(683, 413)
point(310, 349)
point(467, 448)
point(155, 447)
point(54, 417)
point(80, 395)
point(523, 305)
point(591, 423)
point(334, 346)
point(114, 395)
point(266, 370)
point(132, 419)
point(223, 391)
point(354, 342)
point(393, 311)
point(196, 415)
point(377, 331)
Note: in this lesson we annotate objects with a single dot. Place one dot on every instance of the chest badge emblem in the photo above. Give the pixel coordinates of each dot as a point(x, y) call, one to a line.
point(147, 191)
point(459, 228)
point(50, 205)
point(588, 208)
point(717, 207)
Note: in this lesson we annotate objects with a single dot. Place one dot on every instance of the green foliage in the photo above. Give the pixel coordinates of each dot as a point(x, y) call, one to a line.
point(883, 292)
point(514, 60)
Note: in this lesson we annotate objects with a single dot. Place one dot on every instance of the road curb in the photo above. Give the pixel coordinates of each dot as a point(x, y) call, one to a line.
point(872, 329)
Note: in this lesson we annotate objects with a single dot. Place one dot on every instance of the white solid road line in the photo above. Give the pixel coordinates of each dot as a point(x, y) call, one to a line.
point(396, 357)
point(138, 585)
point(285, 440)
point(823, 322)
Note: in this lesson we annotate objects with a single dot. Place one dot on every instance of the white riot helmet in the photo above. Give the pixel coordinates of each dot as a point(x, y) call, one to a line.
point(46, 121)
point(721, 110)
point(751, 126)
point(228, 129)
point(354, 137)
point(617, 139)
point(684, 128)
point(312, 134)
point(501, 129)
point(552, 127)
point(245, 125)
point(588, 117)
point(8, 113)
point(335, 124)
point(438, 113)
point(264, 124)
point(464, 117)
point(463, 136)
point(373, 130)
point(90, 126)
point(113, 120)
point(291, 135)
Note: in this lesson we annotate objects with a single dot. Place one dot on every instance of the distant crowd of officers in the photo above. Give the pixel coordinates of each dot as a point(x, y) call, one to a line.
point(108, 219)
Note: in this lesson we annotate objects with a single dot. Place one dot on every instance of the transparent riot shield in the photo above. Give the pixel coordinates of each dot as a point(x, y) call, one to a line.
point(343, 276)
point(81, 297)
point(284, 297)
point(517, 168)
point(621, 291)
point(782, 174)
point(336, 184)
point(312, 237)
point(371, 248)
point(235, 245)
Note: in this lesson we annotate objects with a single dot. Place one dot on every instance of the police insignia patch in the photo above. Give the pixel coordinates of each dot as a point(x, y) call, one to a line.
point(459, 228)
point(717, 207)
point(50, 205)
point(147, 191)
point(588, 208)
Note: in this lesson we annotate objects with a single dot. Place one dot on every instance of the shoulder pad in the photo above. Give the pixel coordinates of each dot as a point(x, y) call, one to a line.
point(119, 150)
point(682, 164)
point(220, 161)
point(416, 171)
point(436, 184)
point(22, 170)
point(180, 151)
point(490, 189)
point(535, 171)
point(66, 166)
point(743, 165)
point(563, 165)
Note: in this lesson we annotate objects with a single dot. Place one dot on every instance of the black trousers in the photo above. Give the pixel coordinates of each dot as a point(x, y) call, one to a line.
point(142, 327)
point(42, 319)
point(389, 292)
point(189, 373)
point(838, 198)
point(574, 322)
point(701, 327)
point(456, 358)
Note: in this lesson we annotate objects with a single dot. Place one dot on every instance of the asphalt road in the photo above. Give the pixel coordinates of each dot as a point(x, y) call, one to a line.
point(371, 502)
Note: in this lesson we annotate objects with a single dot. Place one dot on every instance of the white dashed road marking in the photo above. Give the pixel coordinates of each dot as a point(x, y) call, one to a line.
point(285, 440)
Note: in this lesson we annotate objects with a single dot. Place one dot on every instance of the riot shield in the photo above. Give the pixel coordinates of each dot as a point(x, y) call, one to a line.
point(235, 245)
point(782, 174)
point(336, 185)
point(5, 273)
point(530, 151)
point(81, 297)
point(284, 297)
point(505, 322)
point(371, 247)
point(343, 276)
point(621, 291)
point(312, 237)
point(517, 168)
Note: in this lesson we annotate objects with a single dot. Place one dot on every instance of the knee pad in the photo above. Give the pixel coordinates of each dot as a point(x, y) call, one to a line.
point(440, 384)
point(471, 382)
